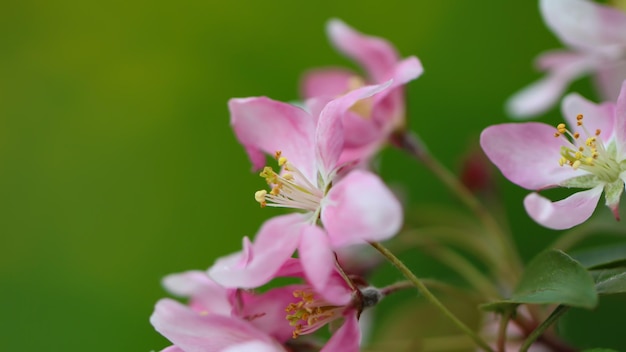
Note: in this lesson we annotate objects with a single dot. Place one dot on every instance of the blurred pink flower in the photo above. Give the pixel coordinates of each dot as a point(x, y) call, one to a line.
point(596, 37)
point(353, 206)
point(515, 336)
point(369, 123)
point(591, 155)
point(221, 319)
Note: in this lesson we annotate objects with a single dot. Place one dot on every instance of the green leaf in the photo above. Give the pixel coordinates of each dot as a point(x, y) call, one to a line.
point(610, 281)
point(603, 257)
point(552, 277)
point(600, 350)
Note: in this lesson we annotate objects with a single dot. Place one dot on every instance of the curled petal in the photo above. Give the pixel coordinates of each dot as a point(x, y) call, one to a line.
point(326, 82)
point(172, 349)
point(192, 332)
point(360, 208)
point(527, 154)
point(565, 213)
point(274, 244)
point(318, 261)
point(205, 294)
point(620, 123)
point(346, 338)
point(563, 67)
point(406, 71)
point(256, 346)
point(596, 116)
point(316, 256)
point(265, 125)
point(376, 55)
point(608, 79)
point(537, 97)
point(584, 24)
point(329, 133)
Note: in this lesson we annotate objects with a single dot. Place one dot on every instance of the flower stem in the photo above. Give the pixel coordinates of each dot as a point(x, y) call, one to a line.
point(429, 296)
point(538, 332)
point(410, 143)
point(504, 322)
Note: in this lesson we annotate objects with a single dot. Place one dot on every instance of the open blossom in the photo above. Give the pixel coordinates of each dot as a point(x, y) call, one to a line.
point(589, 154)
point(368, 124)
point(596, 37)
point(351, 206)
point(221, 319)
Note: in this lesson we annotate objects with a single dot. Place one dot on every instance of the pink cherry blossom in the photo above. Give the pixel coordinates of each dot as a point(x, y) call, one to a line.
point(369, 123)
point(191, 332)
point(239, 318)
point(352, 206)
point(590, 154)
point(595, 35)
point(221, 319)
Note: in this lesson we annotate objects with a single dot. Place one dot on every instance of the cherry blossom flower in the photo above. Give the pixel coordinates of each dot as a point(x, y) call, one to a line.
point(351, 206)
point(590, 154)
point(217, 318)
point(369, 123)
point(596, 38)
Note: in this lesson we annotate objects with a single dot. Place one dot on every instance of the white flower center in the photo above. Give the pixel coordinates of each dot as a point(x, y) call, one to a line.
point(588, 152)
point(291, 189)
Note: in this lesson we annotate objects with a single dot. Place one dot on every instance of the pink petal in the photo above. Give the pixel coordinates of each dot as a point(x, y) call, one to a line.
point(563, 67)
point(346, 338)
point(291, 268)
point(360, 208)
point(620, 123)
point(584, 24)
point(205, 294)
point(266, 311)
point(256, 346)
point(537, 97)
point(406, 71)
point(527, 154)
point(329, 134)
point(609, 78)
point(377, 56)
point(316, 256)
point(274, 244)
point(555, 59)
point(192, 332)
point(596, 116)
point(172, 349)
point(326, 82)
point(265, 125)
point(565, 213)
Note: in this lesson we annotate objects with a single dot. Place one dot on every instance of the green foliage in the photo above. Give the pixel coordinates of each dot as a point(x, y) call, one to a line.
point(602, 257)
point(611, 281)
point(552, 277)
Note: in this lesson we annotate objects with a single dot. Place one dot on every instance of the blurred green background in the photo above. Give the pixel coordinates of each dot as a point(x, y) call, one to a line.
point(118, 165)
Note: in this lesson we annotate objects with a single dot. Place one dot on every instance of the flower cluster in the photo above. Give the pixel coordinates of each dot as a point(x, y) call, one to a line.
point(315, 158)
point(320, 152)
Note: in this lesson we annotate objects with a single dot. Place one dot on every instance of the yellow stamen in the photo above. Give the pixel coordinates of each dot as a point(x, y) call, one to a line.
point(259, 196)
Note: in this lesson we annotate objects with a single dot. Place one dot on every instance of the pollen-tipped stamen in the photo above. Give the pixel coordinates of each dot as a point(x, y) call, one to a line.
point(290, 190)
point(310, 313)
point(588, 154)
